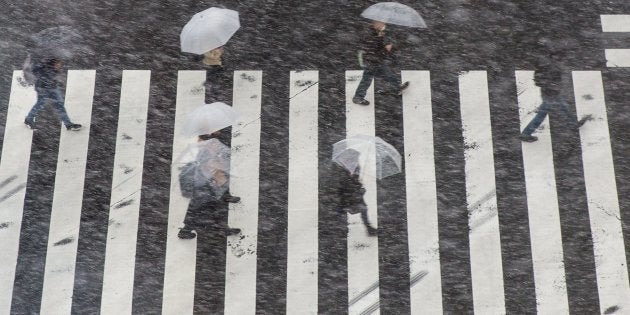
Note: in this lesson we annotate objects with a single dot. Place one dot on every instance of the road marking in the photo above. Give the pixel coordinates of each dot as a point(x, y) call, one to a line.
point(484, 236)
point(181, 255)
point(124, 209)
point(615, 23)
point(542, 204)
point(241, 257)
point(16, 155)
point(422, 217)
point(363, 270)
point(601, 193)
point(617, 57)
point(303, 202)
point(65, 218)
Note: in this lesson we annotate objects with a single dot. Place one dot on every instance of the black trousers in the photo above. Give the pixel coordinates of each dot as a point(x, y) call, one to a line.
point(203, 213)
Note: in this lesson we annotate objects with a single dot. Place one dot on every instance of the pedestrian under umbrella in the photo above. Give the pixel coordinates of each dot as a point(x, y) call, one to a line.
point(205, 181)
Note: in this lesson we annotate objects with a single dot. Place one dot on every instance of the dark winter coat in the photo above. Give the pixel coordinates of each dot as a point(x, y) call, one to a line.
point(374, 47)
point(549, 78)
point(45, 74)
point(350, 190)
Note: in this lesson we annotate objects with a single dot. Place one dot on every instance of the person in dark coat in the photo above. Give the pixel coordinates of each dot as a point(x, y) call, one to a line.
point(206, 208)
point(350, 193)
point(46, 72)
point(549, 78)
point(376, 54)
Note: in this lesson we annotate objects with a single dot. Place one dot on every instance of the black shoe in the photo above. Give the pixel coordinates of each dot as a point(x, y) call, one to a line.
point(360, 101)
point(528, 138)
point(232, 231)
point(403, 87)
point(231, 199)
point(186, 234)
point(584, 119)
point(74, 127)
point(30, 124)
point(372, 231)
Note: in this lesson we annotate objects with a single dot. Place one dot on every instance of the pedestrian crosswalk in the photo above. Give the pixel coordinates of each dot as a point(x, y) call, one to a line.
point(304, 185)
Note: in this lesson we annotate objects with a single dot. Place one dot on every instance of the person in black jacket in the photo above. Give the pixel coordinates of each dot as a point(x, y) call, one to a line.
point(350, 192)
point(376, 52)
point(549, 78)
point(46, 72)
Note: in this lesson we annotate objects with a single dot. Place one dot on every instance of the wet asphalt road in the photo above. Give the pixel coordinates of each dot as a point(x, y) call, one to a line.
point(280, 36)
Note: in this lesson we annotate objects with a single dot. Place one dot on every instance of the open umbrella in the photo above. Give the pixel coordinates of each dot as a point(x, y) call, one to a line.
point(61, 42)
point(205, 164)
point(209, 118)
point(394, 13)
point(208, 30)
point(359, 151)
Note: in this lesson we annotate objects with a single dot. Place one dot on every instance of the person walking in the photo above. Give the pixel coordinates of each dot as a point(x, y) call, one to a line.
point(46, 72)
point(206, 183)
point(549, 78)
point(350, 193)
point(375, 62)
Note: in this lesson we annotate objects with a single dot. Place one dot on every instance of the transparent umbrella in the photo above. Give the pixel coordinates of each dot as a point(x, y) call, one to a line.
point(208, 30)
point(61, 42)
point(394, 13)
point(357, 152)
point(209, 118)
point(208, 165)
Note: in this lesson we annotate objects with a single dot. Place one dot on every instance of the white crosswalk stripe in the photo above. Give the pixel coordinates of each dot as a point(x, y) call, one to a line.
point(302, 260)
point(542, 205)
point(122, 233)
point(483, 220)
point(601, 192)
point(66, 208)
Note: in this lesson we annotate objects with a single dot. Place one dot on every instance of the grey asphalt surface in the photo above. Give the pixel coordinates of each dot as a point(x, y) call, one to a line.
point(280, 36)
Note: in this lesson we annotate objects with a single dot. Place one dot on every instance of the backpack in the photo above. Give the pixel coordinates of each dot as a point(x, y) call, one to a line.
point(27, 71)
point(187, 179)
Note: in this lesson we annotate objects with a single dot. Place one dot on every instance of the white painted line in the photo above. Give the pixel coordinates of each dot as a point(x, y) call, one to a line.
point(422, 218)
point(180, 263)
point(542, 204)
point(601, 193)
point(303, 203)
point(65, 218)
point(484, 237)
point(363, 271)
point(615, 23)
point(617, 57)
point(241, 256)
point(124, 209)
point(16, 154)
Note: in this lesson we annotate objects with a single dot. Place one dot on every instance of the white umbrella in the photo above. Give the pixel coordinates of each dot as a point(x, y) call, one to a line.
point(359, 151)
point(208, 30)
point(394, 13)
point(208, 164)
point(209, 118)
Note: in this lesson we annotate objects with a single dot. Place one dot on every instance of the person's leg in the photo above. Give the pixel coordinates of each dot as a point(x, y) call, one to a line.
point(58, 103)
point(569, 116)
point(541, 113)
point(364, 217)
point(366, 81)
point(390, 77)
point(42, 96)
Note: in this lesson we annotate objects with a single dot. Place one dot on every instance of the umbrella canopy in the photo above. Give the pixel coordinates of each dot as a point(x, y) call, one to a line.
point(61, 42)
point(394, 13)
point(207, 164)
point(209, 118)
point(208, 30)
point(357, 152)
